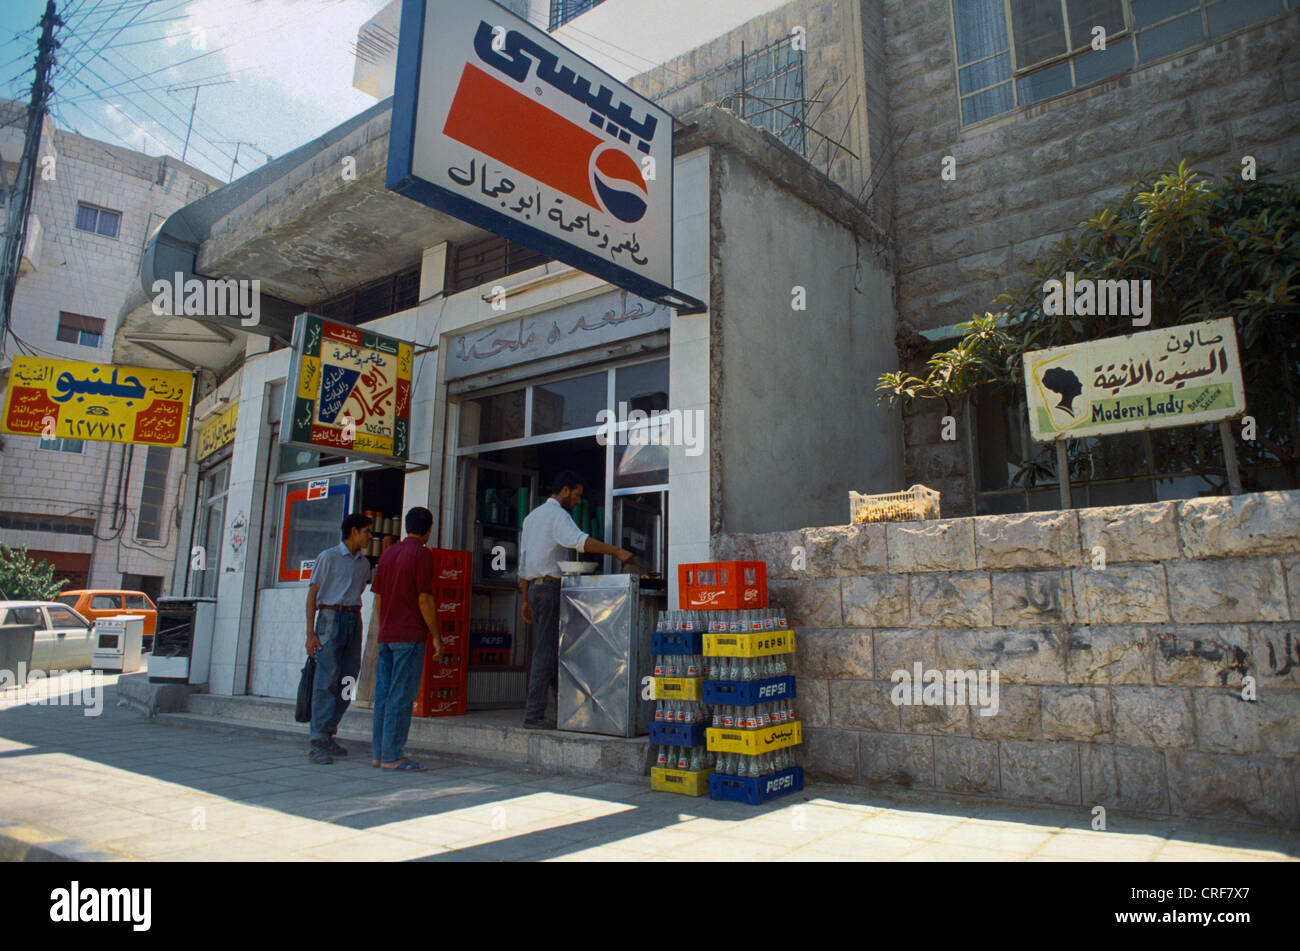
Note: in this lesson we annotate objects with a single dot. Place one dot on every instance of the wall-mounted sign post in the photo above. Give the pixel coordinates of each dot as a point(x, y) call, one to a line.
point(348, 390)
point(68, 399)
point(1181, 376)
point(497, 124)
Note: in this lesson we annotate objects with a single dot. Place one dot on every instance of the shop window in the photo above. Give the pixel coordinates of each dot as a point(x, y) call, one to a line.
point(569, 404)
point(209, 524)
point(1017, 52)
point(81, 330)
point(99, 221)
point(642, 386)
point(492, 418)
point(148, 525)
point(310, 517)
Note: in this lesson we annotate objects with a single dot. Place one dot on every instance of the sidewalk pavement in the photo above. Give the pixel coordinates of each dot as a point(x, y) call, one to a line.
point(118, 786)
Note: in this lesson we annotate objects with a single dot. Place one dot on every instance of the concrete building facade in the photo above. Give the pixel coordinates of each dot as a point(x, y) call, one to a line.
point(105, 514)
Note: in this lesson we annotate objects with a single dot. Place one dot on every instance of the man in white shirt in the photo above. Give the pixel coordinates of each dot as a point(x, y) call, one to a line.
point(547, 531)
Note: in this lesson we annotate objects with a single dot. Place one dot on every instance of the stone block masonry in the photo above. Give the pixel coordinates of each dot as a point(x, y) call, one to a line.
point(1166, 682)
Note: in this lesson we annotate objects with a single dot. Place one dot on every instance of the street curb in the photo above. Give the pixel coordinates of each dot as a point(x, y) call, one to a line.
point(22, 843)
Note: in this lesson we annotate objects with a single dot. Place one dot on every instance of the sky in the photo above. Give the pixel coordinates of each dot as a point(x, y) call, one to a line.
point(281, 73)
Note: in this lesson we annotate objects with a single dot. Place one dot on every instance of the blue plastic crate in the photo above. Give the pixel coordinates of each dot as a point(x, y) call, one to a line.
point(490, 640)
point(749, 692)
point(677, 642)
point(678, 734)
point(755, 790)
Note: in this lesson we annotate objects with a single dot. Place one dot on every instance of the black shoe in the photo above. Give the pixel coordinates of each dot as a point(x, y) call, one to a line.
point(319, 753)
point(335, 747)
point(539, 725)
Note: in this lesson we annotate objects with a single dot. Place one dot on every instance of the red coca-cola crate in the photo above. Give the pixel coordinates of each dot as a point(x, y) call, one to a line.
point(442, 690)
point(451, 602)
point(451, 630)
point(722, 585)
point(451, 567)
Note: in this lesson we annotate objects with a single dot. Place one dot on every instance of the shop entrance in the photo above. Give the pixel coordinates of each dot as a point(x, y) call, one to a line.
point(512, 443)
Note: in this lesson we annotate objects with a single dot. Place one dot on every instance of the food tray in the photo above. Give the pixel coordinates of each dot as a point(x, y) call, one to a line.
point(915, 504)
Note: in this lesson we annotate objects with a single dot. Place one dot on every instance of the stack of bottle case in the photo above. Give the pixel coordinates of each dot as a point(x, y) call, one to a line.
point(442, 684)
point(681, 762)
point(750, 690)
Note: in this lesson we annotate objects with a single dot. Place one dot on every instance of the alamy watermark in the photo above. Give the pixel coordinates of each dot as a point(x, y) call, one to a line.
point(656, 428)
point(1084, 297)
point(946, 688)
point(56, 688)
point(208, 298)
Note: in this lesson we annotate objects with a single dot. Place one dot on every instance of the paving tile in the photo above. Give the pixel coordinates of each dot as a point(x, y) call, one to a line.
point(855, 845)
point(1008, 838)
point(909, 825)
point(370, 848)
point(1104, 846)
point(942, 852)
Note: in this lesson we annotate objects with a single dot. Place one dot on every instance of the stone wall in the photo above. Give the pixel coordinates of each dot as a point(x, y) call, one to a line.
point(1119, 685)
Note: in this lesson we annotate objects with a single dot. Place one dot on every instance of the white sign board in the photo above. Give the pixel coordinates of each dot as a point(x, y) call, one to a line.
point(1176, 377)
point(496, 123)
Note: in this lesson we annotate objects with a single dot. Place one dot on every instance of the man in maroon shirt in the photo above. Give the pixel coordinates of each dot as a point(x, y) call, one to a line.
point(404, 601)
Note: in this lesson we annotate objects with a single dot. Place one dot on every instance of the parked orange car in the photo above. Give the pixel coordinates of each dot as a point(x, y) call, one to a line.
point(101, 602)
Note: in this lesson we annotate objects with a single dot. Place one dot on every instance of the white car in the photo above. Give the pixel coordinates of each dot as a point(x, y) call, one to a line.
point(64, 639)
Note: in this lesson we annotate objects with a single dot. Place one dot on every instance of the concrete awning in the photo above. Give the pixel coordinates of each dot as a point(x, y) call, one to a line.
point(309, 225)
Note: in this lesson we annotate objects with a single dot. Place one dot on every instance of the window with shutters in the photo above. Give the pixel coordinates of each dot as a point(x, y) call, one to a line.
point(79, 329)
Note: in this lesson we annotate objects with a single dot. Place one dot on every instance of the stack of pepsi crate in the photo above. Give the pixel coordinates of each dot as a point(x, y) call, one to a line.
point(680, 757)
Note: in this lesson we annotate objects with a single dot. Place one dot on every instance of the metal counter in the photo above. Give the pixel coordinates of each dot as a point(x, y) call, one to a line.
point(605, 631)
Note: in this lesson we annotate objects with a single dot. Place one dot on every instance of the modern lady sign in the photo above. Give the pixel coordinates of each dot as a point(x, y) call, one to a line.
point(496, 123)
point(72, 400)
point(1176, 377)
point(348, 390)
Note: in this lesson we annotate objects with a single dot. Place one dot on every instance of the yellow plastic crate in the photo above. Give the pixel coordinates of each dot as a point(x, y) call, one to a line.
point(680, 781)
point(755, 644)
point(754, 742)
point(678, 688)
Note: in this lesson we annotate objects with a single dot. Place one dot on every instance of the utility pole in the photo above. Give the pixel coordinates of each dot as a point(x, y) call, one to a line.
point(25, 181)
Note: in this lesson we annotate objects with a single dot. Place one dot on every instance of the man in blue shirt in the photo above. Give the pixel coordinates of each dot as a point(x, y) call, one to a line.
point(334, 633)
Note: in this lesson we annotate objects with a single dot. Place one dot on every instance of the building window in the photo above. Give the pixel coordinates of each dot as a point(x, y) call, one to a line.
point(471, 265)
point(1018, 52)
point(148, 525)
point(562, 11)
point(61, 444)
point(84, 331)
point(389, 295)
point(98, 220)
point(767, 91)
point(17, 522)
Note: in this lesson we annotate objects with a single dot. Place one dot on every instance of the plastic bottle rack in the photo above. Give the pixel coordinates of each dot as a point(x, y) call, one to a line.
point(680, 761)
point(753, 730)
point(724, 716)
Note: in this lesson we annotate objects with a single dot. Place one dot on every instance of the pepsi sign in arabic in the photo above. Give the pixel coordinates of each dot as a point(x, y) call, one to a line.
point(496, 123)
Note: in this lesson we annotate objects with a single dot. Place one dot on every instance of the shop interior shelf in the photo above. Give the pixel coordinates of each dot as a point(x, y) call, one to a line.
point(755, 790)
point(749, 692)
point(754, 644)
point(754, 742)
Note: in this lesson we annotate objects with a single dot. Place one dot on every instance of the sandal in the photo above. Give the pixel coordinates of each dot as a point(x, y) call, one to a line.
point(406, 765)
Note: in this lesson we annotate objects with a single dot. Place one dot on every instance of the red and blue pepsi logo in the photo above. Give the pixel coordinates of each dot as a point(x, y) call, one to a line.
point(619, 185)
point(497, 120)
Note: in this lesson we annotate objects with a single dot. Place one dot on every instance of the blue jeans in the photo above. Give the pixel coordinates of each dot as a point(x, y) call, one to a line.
point(397, 681)
point(339, 656)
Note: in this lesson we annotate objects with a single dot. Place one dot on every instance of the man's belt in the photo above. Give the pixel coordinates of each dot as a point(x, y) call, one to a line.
point(339, 607)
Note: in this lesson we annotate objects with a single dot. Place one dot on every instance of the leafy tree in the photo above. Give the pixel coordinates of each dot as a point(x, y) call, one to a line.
point(24, 578)
point(1210, 250)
